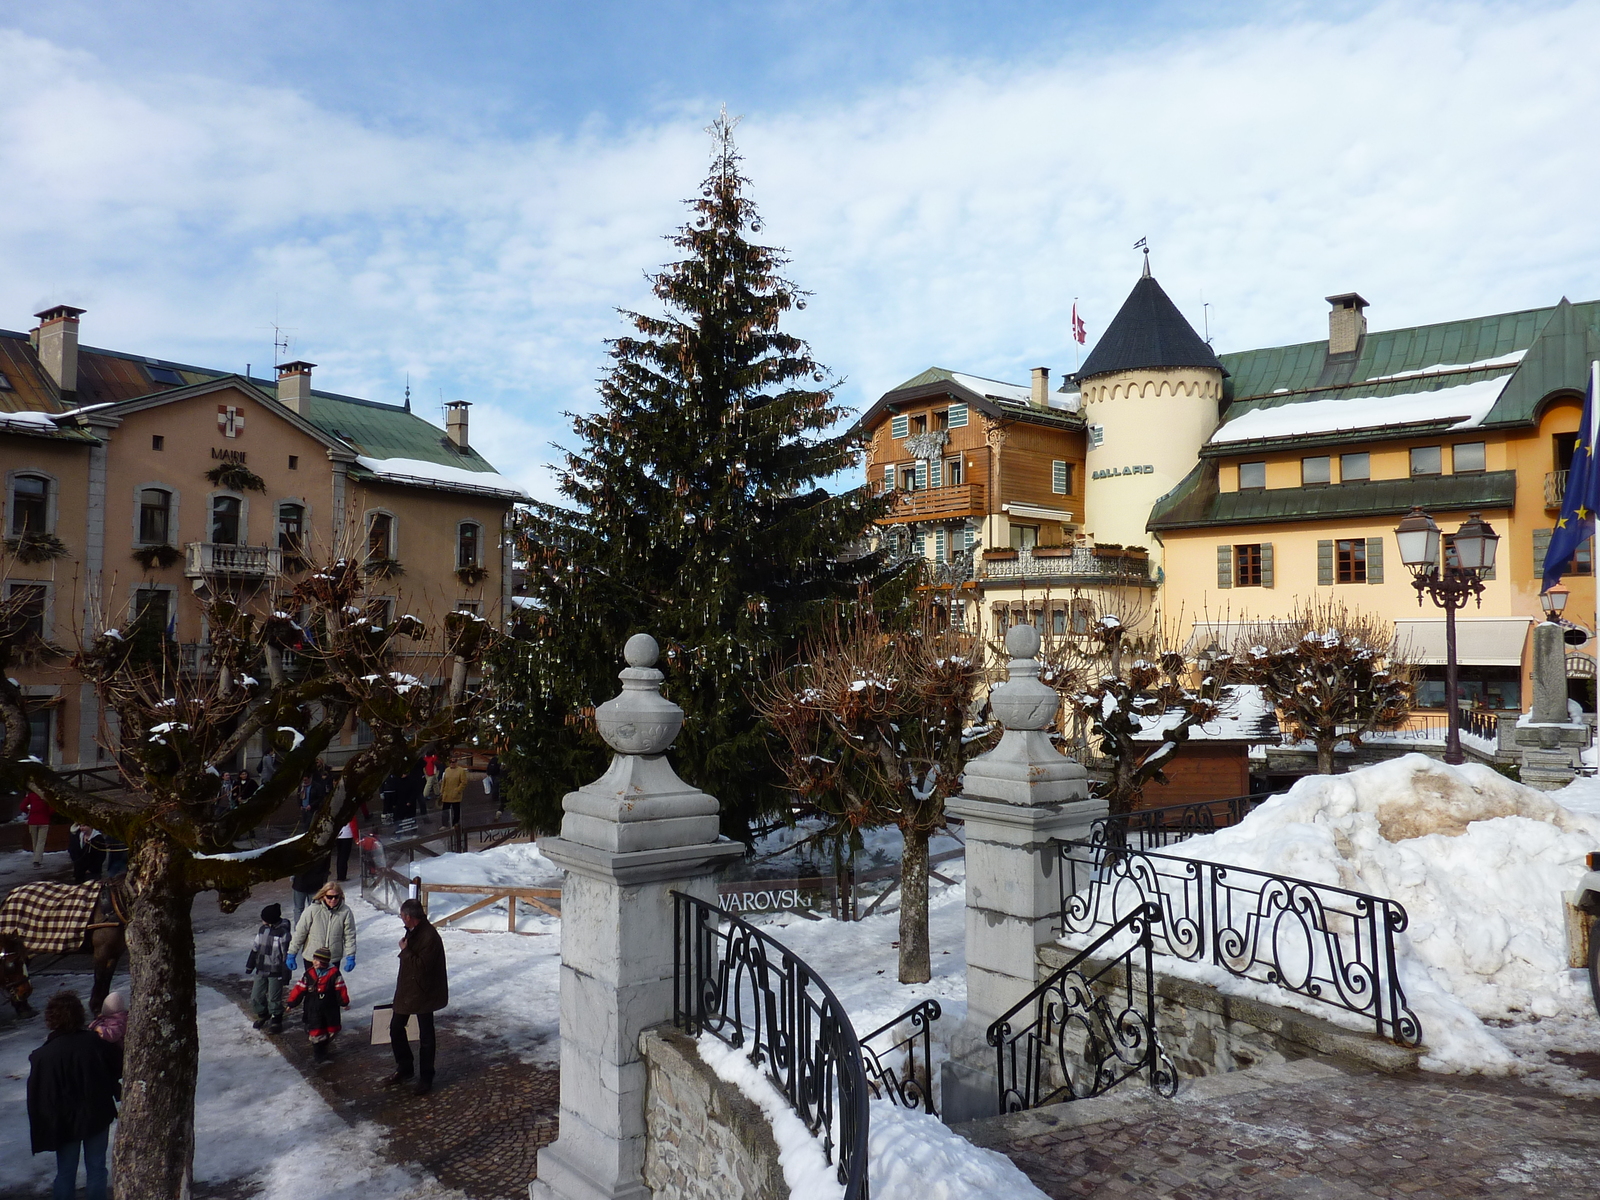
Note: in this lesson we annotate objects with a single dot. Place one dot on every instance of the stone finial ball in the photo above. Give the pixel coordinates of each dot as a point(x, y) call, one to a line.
point(641, 651)
point(1022, 641)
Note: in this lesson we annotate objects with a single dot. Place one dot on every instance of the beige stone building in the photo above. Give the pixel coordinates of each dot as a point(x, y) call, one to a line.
point(134, 484)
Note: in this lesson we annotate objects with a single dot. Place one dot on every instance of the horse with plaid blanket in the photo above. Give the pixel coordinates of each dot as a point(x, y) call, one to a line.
point(62, 918)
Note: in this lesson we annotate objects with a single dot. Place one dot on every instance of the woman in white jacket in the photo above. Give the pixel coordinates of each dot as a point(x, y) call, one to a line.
point(327, 921)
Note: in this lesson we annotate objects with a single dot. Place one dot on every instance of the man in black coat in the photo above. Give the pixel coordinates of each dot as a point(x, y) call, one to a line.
point(422, 989)
point(72, 1096)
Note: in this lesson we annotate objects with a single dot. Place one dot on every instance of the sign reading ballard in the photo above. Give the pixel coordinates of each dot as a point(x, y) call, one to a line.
point(1108, 472)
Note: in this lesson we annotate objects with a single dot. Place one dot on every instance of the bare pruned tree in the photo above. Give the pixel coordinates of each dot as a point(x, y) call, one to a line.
point(294, 670)
point(874, 718)
point(1332, 672)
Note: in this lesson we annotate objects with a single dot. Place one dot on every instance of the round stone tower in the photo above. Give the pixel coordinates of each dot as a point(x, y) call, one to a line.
point(1151, 393)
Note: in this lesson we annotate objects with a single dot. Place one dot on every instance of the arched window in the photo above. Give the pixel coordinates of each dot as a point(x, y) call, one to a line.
point(292, 528)
point(155, 516)
point(380, 537)
point(30, 504)
point(225, 512)
point(469, 543)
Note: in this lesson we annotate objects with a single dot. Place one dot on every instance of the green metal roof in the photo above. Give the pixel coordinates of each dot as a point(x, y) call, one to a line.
point(1196, 501)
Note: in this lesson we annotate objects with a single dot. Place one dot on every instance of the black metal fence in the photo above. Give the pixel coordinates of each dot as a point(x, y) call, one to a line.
point(1329, 944)
point(1152, 828)
point(1094, 1019)
point(734, 982)
point(910, 1084)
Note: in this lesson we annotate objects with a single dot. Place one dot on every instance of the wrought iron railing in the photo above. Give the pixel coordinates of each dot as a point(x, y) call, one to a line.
point(1096, 1011)
point(734, 982)
point(1328, 944)
point(911, 1084)
point(1074, 562)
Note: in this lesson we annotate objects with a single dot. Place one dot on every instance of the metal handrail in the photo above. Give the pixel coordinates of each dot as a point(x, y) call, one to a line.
point(911, 1089)
point(1116, 1045)
point(736, 983)
point(1329, 944)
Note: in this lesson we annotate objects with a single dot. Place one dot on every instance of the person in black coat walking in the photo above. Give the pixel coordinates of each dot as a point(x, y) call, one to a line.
point(422, 989)
point(72, 1096)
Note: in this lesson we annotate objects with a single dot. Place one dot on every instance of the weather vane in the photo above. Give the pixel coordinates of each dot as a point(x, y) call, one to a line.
point(1144, 244)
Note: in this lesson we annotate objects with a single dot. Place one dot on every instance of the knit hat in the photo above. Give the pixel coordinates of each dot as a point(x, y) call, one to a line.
point(114, 1002)
point(323, 953)
point(272, 913)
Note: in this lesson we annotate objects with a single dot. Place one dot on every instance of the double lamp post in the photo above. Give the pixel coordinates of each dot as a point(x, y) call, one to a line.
point(1450, 581)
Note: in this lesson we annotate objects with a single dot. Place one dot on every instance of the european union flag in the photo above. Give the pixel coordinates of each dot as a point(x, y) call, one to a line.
point(1575, 525)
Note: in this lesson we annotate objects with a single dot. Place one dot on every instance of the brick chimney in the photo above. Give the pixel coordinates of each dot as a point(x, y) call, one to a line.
point(58, 345)
point(1041, 388)
point(455, 422)
point(294, 385)
point(1347, 323)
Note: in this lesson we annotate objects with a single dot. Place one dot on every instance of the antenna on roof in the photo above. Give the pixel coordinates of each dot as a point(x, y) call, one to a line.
point(1205, 312)
point(408, 391)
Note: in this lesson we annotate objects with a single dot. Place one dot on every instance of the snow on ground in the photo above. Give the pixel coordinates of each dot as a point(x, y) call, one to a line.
point(518, 864)
point(16, 866)
point(910, 1155)
point(293, 1146)
point(1480, 864)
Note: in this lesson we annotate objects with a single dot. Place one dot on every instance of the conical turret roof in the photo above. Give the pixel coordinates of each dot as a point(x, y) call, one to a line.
point(1148, 331)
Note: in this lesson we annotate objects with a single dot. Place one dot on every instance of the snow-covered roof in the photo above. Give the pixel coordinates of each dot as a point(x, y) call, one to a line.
point(1465, 406)
point(993, 387)
point(1483, 364)
point(30, 420)
point(1248, 719)
point(416, 471)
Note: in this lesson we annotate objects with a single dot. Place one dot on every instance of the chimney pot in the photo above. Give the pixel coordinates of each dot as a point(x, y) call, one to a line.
point(455, 422)
point(294, 385)
point(1347, 323)
point(57, 342)
point(1041, 387)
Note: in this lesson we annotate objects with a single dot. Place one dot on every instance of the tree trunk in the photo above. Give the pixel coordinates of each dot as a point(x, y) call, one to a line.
point(154, 1155)
point(1325, 756)
point(914, 964)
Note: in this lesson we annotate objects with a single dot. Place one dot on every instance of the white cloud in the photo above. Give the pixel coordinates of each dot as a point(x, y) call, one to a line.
point(1438, 160)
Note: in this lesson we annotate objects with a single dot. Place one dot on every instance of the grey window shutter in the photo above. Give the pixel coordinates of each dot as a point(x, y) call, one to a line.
point(1541, 543)
point(1224, 566)
point(1375, 560)
point(1325, 563)
point(1266, 564)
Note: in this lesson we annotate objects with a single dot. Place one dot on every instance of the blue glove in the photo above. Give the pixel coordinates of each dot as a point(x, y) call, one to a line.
point(349, 962)
point(289, 962)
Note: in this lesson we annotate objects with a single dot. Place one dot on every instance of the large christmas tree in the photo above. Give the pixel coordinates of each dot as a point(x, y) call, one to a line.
point(694, 516)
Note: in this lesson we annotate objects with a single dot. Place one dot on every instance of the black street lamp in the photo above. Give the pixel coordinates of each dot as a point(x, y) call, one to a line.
point(1449, 583)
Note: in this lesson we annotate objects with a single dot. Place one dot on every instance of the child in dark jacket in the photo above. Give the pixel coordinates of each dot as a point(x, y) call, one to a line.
point(321, 989)
point(266, 963)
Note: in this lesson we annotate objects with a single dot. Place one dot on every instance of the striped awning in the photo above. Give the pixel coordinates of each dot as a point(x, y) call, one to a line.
point(1480, 641)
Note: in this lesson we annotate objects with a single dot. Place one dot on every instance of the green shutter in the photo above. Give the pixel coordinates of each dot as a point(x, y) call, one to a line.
point(1325, 563)
point(1541, 543)
point(958, 416)
point(1266, 564)
point(888, 477)
point(922, 474)
point(1375, 560)
point(900, 426)
point(939, 544)
point(937, 474)
point(1224, 566)
point(1058, 477)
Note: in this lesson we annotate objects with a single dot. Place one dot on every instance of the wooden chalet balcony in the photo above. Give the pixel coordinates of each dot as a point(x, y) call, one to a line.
point(1555, 488)
point(1067, 563)
point(219, 558)
point(937, 504)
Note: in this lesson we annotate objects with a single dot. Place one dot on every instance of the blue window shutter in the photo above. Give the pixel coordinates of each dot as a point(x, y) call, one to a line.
point(922, 474)
point(900, 426)
point(958, 416)
point(938, 474)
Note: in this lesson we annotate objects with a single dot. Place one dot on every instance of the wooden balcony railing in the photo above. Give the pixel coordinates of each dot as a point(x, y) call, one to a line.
point(937, 504)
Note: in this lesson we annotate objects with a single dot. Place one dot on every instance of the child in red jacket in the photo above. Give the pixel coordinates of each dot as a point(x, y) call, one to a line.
point(322, 991)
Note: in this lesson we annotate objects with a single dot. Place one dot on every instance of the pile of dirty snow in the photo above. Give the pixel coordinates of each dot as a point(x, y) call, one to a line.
point(1481, 865)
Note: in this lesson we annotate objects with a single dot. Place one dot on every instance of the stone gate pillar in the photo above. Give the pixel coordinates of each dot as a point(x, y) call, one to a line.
point(628, 840)
point(1015, 800)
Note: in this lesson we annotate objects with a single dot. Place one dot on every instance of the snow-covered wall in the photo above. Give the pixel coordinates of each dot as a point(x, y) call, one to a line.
point(704, 1138)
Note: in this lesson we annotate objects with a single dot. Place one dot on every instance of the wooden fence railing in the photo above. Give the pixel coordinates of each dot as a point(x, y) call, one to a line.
point(492, 894)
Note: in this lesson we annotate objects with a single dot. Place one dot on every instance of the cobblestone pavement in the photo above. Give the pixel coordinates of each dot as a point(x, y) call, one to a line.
point(1313, 1132)
point(479, 1130)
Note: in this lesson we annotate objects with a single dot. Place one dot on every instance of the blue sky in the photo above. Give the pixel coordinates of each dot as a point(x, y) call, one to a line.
point(465, 193)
